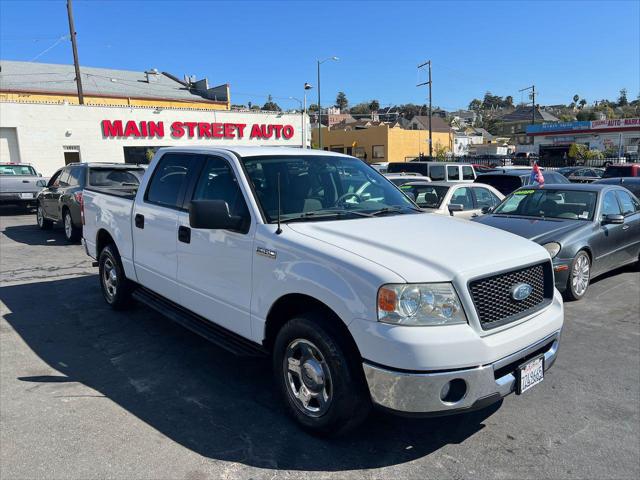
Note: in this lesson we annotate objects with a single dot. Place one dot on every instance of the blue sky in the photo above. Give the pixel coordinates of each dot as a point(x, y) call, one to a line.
point(260, 48)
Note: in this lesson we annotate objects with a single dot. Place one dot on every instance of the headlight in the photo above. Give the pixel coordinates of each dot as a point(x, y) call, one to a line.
point(420, 304)
point(553, 248)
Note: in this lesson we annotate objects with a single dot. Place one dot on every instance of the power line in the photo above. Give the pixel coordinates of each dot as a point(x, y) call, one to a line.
point(55, 44)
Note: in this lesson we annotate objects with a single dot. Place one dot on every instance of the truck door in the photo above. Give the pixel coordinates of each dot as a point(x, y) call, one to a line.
point(155, 224)
point(214, 266)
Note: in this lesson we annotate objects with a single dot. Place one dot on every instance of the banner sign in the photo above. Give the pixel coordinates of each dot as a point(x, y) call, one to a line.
point(616, 123)
point(558, 127)
point(151, 129)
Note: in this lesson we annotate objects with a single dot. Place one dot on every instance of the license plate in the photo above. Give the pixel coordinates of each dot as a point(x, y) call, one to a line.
point(26, 195)
point(530, 374)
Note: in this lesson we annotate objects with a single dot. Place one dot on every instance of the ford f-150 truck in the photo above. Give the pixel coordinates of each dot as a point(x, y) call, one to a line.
point(360, 299)
point(19, 184)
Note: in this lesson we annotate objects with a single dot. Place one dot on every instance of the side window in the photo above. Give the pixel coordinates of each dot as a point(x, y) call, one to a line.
point(485, 198)
point(218, 182)
point(463, 197)
point(610, 205)
point(628, 206)
point(436, 172)
point(169, 180)
point(63, 179)
point(75, 176)
point(453, 172)
point(55, 180)
point(467, 173)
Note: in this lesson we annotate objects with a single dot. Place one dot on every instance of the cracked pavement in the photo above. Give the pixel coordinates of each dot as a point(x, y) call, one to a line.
point(88, 393)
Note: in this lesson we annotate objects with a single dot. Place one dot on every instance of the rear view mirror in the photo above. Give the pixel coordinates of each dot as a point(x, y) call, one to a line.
point(613, 219)
point(214, 215)
point(455, 207)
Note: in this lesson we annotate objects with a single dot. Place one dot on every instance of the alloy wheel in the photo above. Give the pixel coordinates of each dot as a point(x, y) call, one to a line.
point(40, 216)
point(110, 279)
point(307, 378)
point(68, 225)
point(580, 275)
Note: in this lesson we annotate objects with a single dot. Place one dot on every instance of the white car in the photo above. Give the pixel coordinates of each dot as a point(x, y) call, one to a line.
point(357, 302)
point(464, 200)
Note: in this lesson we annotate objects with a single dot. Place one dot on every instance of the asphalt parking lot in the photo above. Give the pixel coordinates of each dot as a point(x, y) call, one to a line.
point(86, 393)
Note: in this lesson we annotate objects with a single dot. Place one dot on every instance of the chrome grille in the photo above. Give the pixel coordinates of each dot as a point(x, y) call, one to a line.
point(492, 295)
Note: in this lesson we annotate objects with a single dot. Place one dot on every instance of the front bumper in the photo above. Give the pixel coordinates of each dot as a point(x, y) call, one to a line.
point(561, 270)
point(420, 393)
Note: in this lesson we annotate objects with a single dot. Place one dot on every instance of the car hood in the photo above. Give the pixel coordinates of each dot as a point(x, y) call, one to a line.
point(426, 247)
point(537, 229)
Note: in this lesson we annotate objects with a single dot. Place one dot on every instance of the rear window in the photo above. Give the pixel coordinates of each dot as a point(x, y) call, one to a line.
point(17, 170)
point(437, 172)
point(397, 167)
point(115, 177)
point(426, 196)
point(505, 184)
point(618, 171)
point(453, 173)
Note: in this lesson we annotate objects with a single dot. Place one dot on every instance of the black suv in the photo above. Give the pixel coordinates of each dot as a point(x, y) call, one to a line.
point(61, 199)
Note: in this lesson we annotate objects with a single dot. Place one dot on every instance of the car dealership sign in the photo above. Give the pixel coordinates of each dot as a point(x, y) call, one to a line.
point(157, 129)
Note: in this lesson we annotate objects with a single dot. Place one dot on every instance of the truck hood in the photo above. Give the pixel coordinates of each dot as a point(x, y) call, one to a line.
point(536, 229)
point(426, 247)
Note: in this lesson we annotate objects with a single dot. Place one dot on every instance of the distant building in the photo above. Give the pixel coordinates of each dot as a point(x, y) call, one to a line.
point(465, 118)
point(513, 125)
point(421, 122)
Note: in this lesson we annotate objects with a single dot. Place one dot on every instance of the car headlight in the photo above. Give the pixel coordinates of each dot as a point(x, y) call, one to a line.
point(420, 304)
point(553, 248)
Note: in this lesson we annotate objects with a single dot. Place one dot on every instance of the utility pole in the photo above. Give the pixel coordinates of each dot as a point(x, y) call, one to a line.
point(533, 102)
point(428, 62)
point(72, 33)
point(320, 62)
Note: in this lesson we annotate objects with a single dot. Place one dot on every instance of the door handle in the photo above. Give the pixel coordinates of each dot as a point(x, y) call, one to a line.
point(184, 234)
point(625, 227)
point(139, 220)
point(25, 181)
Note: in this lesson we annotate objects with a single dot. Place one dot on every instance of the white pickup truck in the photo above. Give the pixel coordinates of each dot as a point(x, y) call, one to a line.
point(359, 299)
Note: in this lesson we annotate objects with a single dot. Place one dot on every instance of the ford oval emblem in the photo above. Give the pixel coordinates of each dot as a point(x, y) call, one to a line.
point(521, 291)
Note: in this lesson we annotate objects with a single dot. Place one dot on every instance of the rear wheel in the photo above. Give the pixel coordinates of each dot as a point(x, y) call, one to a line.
point(321, 384)
point(116, 289)
point(579, 276)
point(71, 232)
point(43, 223)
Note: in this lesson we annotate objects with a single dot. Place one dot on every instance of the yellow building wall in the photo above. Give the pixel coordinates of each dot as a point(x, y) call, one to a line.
point(399, 144)
point(408, 144)
point(110, 101)
point(366, 138)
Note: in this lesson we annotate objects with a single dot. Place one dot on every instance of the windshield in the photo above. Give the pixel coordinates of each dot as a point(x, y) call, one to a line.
point(115, 177)
point(322, 187)
point(426, 196)
point(17, 170)
point(567, 204)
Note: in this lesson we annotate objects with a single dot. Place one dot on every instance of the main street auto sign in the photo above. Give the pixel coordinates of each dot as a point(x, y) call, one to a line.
point(151, 129)
point(616, 123)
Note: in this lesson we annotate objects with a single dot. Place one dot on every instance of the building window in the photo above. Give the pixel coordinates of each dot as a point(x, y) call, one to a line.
point(71, 154)
point(359, 152)
point(377, 151)
point(337, 148)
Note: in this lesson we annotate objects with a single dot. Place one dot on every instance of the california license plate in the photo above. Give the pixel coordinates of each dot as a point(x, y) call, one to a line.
point(530, 374)
point(26, 196)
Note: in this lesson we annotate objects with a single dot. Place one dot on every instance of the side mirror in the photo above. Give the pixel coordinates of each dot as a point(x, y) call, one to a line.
point(613, 219)
point(455, 207)
point(213, 215)
point(486, 210)
point(39, 174)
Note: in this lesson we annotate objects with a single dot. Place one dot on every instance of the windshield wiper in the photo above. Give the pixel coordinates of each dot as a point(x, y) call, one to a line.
point(317, 214)
point(392, 209)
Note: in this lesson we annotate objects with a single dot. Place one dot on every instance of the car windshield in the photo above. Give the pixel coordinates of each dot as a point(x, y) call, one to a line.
point(426, 196)
point(115, 177)
point(618, 171)
point(17, 170)
point(322, 187)
point(552, 203)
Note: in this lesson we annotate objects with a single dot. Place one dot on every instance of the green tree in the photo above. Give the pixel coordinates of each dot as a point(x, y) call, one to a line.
point(582, 103)
point(576, 97)
point(585, 115)
point(622, 99)
point(271, 106)
point(508, 101)
point(475, 105)
point(374, 105)
point(360, 109)
point(313, 107)
point(341, 101)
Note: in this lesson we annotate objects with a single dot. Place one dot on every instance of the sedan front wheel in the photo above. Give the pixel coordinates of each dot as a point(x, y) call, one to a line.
point(579, 276)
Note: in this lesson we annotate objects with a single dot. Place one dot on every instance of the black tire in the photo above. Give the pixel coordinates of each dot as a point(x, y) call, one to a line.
point(578, 291)
point(71, 232)
point(42, 222)
point(116, 289)
point(348, 401)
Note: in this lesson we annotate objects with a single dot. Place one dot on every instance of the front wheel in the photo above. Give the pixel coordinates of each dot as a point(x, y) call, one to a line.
point(116, 289)
point(579, 276)
point(43, 223)
point(320, 382)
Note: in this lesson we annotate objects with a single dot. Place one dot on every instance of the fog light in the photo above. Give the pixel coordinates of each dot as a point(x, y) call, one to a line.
point(453, 391)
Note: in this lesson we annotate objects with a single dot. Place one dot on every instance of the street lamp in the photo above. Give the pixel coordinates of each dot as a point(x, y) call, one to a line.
point(320, 62)
point(303, 109)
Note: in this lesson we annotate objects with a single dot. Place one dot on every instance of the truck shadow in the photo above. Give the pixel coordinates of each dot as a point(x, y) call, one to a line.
point(208, 401)
point(32, 235)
